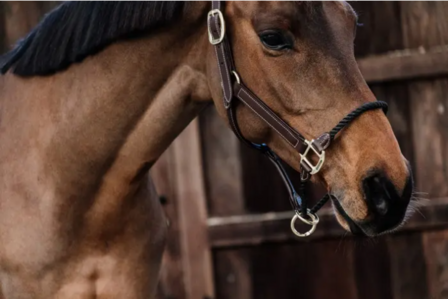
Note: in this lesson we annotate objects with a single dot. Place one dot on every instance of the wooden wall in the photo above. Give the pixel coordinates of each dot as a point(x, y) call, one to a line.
point(229, 229)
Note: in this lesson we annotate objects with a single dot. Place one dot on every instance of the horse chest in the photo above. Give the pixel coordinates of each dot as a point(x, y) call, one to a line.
point(111, 248)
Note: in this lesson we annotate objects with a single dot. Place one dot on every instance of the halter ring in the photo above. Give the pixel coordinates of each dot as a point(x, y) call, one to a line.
point(313, 222)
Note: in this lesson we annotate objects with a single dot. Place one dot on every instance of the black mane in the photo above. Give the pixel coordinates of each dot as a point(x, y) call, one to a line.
point(75, 30)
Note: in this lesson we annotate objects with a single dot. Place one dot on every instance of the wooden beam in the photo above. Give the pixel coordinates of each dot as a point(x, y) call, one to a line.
point(406, 64)
point(222, 165)
point(20, 17)
point(224, 180)
point(172, 283)
point(424, 25)
point(407, 266)
point(192, 214)
point(435, 245)
point(428, 99)
point(372, 270)
point(250, 230)
point(3, 47)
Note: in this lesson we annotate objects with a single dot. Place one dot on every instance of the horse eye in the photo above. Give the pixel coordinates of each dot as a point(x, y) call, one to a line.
point(275, 40)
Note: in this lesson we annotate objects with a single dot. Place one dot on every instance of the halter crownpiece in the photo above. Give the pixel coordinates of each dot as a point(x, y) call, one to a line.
point(235, 91)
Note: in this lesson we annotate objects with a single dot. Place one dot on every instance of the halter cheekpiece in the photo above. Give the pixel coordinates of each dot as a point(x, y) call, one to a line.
point(234, 90)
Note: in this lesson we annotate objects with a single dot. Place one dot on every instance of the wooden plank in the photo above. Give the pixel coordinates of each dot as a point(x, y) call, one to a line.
point(20, 17)
point(380, 29)
point(425, 25)
point(304, 270)
point(429, 104)
point(436, 252)
point(399, 115)
point(3, 47)
point(252, 230)
point(222, 166)
point(409, 64)
point(381, 51)
point(380, 33)
point(171, 283)
point(372, 270)
point(263, 187)
point(407, 266)
point(17, 18)
point(192, 214)
point(233, 275)
point(283, 271)
point(223, 177)
point(335, 270)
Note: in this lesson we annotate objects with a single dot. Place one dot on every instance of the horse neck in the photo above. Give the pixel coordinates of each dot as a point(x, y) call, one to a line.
point(116, 112)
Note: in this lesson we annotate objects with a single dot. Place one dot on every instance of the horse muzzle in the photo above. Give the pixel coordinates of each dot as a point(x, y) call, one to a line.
point(387, 207)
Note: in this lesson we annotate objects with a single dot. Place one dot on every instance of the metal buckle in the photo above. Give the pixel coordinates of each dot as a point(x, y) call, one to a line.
point(303, 159)
point(223, 27)
point(313, 222)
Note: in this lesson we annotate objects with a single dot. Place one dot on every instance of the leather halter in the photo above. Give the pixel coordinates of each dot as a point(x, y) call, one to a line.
point(234, 90)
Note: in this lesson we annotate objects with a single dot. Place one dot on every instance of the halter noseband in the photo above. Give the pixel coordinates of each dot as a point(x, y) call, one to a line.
point(234, 89)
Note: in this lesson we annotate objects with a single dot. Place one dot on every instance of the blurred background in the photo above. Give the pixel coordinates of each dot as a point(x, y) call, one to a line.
point(229, 235)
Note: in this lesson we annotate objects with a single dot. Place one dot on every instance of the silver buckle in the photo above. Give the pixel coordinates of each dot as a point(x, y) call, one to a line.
point(223, 27)
point(314, 168)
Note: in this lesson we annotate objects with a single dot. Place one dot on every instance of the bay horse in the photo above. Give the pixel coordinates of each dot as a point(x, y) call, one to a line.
point(98, 90)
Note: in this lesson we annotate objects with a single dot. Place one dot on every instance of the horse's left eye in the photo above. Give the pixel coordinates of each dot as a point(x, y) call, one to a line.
point(275, 40)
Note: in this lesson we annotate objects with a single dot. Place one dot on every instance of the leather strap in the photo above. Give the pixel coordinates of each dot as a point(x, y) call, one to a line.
point(245, 95)
point(223, 54)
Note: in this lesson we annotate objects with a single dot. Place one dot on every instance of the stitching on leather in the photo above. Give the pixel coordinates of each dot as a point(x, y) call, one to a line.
point(219, 64)
point(265, 119)
point(220, 72)
point(227, 68)
point(259, 105)
point(227, 98)
point(268, 112)
point(220, 68)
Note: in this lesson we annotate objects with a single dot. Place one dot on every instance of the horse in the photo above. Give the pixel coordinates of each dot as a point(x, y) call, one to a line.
point(96, 92)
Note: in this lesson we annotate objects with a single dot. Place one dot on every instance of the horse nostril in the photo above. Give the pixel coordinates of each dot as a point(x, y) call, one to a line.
point(379, 193)
point(387, 206)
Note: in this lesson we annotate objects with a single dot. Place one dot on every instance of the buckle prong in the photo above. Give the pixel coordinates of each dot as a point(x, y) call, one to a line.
point(303, 157)
point(212, 40)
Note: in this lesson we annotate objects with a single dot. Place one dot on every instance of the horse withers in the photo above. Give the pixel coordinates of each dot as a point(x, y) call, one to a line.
point(98, 90)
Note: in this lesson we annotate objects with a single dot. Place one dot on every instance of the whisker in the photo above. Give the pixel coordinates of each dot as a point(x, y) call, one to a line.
point(420, 212)
point(419, 195)
point(340, 241)
point(419, 202)
point(419, 192)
